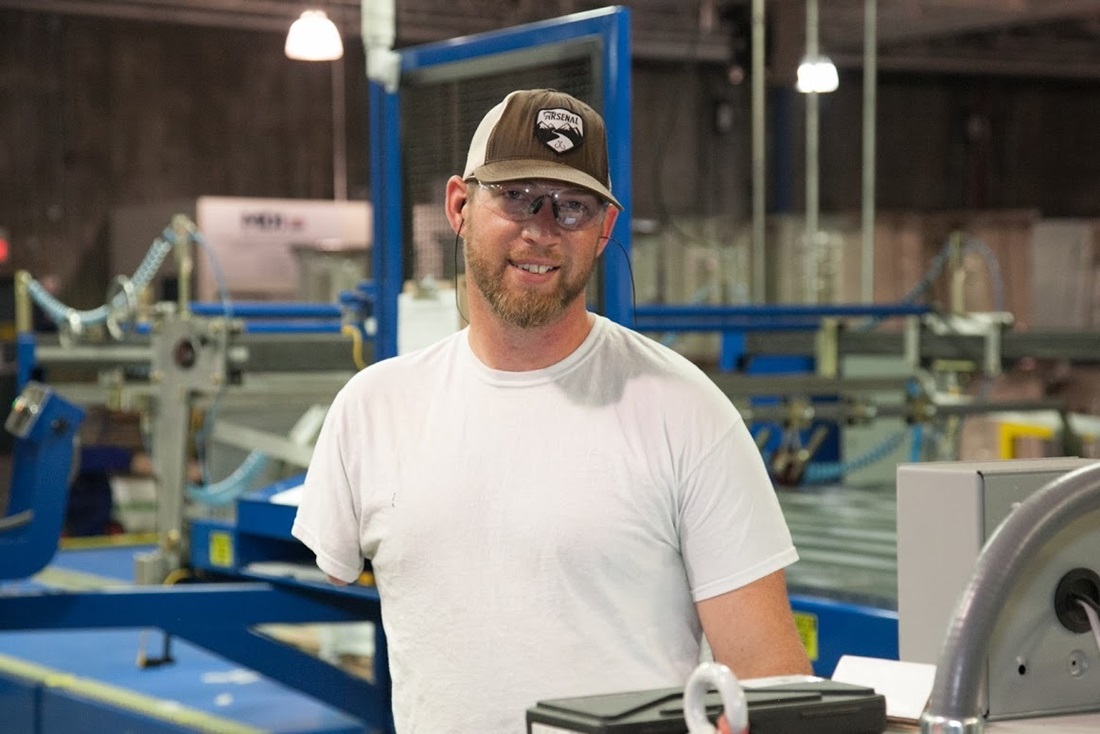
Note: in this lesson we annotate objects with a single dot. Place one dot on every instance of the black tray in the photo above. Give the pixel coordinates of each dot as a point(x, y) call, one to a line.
point(814, 707)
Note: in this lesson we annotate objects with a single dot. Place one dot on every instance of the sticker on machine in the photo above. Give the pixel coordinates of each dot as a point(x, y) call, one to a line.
point(808, 632)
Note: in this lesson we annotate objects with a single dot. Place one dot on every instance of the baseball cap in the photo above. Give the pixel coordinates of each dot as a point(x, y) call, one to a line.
point(542, 133)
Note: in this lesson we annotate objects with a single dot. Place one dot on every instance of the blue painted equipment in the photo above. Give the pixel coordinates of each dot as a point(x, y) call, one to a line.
point(44, 426)
point(832, 628)
point(217, 616)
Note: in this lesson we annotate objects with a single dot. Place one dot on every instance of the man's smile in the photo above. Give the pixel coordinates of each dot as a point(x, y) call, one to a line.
point(534, 267)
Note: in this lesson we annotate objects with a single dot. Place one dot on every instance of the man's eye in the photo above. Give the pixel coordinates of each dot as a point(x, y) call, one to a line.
point(515, 194)
point(575, 206)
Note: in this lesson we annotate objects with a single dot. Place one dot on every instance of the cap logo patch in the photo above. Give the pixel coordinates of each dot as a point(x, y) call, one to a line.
point(560, 129)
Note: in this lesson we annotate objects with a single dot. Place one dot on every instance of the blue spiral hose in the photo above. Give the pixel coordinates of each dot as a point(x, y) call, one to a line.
point(832, 471)
point(59, 313)
point(916, 447)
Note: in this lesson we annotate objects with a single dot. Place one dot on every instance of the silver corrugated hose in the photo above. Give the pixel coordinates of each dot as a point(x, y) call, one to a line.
point(953, 705)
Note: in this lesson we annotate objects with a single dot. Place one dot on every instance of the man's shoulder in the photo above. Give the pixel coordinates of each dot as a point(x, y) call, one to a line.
point(645, 351)
point(661, 374)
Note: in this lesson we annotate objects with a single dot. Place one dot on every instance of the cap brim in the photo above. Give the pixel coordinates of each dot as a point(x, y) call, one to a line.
point(511, 170)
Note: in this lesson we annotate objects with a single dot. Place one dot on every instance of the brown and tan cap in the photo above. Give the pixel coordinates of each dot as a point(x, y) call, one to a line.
point(542, 133)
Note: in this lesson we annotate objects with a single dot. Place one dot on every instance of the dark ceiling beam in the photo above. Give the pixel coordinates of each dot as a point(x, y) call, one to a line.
point(666, 30)
point(921, 20)
point(986, 64)
point(274, 16)
point(254, 15)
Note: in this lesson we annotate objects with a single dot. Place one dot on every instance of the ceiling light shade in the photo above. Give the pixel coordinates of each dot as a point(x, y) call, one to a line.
point(313, 37)
point(817, 74)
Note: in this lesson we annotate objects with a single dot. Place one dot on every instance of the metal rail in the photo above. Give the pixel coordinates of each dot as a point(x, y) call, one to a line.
point(1079, 347)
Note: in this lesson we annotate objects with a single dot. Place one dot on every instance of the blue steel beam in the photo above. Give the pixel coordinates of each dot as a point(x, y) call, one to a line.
point(617, 94)
point(755, 317)
point(218, 616)
point(723, 324)
point(517, 38)
point(172, 608)
point(293, 327)
point(758, 311)
point(275, 310)
point(296, 669)
point(287, 326)
point(385, 177)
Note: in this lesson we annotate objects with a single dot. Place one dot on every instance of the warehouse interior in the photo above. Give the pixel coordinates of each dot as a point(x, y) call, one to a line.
point(895, 280)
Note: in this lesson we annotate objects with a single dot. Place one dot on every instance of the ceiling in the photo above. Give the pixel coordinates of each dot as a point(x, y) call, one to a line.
point(1053, 38)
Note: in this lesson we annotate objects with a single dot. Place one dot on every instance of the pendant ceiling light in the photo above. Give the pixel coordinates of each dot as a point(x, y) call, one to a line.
point(314, 37)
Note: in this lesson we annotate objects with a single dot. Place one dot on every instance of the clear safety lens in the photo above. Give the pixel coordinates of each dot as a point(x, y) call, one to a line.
point(520, 200)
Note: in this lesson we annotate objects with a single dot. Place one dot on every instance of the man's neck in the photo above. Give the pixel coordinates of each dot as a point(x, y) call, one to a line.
point(511, 348)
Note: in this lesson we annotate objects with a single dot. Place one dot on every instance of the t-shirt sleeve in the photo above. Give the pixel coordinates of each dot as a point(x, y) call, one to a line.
point(732, 528)
point(328, 516)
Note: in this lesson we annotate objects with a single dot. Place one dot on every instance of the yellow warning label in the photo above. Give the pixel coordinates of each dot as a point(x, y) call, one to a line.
point(221, 550)
point(807, 630)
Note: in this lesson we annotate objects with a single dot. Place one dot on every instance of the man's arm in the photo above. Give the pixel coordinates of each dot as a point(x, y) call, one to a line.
point(751, 629)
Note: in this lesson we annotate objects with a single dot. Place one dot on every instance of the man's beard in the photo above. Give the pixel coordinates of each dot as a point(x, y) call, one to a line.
point(523, 307)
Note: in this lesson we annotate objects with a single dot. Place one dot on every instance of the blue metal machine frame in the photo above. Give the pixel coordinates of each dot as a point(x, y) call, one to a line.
point(762, 317)
point(45, 426)
point(216, 616)
point(832, 628)
point(219, 617)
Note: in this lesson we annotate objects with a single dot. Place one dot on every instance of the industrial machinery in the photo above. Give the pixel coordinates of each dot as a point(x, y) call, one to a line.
point(176, 361)
point(44, 426)
point(179, 362)
point(187, 365)
point(1042, 654)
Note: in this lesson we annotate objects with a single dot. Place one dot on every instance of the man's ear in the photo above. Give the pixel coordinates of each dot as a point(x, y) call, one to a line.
point(457, 195)
point(605, 229)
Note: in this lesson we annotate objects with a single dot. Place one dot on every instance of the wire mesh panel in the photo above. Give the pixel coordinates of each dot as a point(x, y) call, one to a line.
point(440, 110)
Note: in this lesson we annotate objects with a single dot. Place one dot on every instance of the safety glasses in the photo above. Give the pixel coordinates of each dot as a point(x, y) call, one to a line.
point(521, 200)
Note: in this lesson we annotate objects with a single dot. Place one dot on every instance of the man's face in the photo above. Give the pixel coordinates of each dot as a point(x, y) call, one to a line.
point(529, 271)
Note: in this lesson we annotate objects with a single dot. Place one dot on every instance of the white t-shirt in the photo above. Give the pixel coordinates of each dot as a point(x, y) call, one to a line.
point(538, 534)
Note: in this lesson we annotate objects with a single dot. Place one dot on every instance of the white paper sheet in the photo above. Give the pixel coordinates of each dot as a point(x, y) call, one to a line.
point(905, 685)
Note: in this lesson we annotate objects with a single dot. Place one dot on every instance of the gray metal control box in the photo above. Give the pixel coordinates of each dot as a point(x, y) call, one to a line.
point(946, 513)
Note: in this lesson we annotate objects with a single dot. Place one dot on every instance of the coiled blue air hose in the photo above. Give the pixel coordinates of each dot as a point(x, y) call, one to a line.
point(824, 472)
point(916, 447)
point(832, 471)
point(59, 313)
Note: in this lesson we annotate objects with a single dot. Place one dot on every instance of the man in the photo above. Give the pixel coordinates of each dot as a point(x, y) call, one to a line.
point(553, 505)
